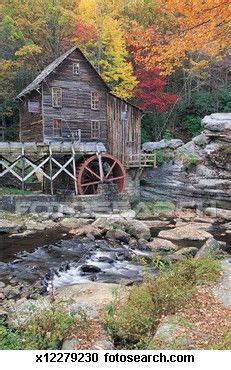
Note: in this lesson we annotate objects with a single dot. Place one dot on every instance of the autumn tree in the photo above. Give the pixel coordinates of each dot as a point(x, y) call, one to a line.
point(107, 48)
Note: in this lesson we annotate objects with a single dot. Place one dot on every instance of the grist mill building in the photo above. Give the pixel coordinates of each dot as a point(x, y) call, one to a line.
point(73, 127)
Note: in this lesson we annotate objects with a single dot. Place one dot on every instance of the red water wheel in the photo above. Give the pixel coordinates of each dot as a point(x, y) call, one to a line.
point(100, 169)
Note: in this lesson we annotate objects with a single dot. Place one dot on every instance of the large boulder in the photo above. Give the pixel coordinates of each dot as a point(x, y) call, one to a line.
point(211, 247)
point(188, 232)
point(74, 223)
point(187, 252)
point(224, 214)
point(156, 145)
point(174, 143)
point(162, 245)
point(9, 227)
point(109, 222)
point(138, 229)
point(87, 230)
point(172, 331)
point(217, 122)
point(162, 144)
point(119, 235)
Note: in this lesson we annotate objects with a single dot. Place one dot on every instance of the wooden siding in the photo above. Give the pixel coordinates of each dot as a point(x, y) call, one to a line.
point(76, 112)
point(124, 136)
point(119, 131)
point(31, 125)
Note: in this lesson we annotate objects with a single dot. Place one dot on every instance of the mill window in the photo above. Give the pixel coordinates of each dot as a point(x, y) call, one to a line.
point(95, 129)
point(94, 100)
point(76, 69)
point(56, 97)
point(57, 127)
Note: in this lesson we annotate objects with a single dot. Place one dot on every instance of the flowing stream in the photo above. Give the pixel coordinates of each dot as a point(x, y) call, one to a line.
point(65, 261)
point(52, 259)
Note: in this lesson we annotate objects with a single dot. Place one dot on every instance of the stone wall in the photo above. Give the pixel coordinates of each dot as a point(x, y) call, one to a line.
point(58, 203)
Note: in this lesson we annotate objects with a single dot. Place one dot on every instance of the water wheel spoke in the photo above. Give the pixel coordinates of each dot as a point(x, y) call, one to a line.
point(116, 178)
point(110, 170)
point(90, 183)
point(92, 172)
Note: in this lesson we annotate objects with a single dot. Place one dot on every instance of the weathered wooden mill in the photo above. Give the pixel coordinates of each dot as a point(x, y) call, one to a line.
point(74, 133)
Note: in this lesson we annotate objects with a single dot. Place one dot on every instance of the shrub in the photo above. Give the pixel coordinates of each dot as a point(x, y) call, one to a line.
point(10, 338)
point(193, 124)
point(134, 321)
point(160, 158)
point(168, 135)
point(47, 329)
point(44, 331)
point(190, 161)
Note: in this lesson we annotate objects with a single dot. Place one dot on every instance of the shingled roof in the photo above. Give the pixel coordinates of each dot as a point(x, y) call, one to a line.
point(34, 85)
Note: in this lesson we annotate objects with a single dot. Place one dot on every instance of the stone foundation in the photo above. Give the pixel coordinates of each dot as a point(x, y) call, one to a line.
point(51, 203)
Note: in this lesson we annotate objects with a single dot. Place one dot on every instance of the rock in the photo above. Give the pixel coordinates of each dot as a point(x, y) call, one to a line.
point(133, 243)
point(57, 216)
point(49, 224)
point(162, 144)
point(90, 269)
point(87, 230)
point(207, 226)
point(138, 229)
point(172, 330)
point(187, 252)
point(70, 344)
point(217, 122)
point(210, 247)
point(204, 171)
point(9, 227)
point(12, 293)
point(187, 232)
point(2, 297)
point(174, 143)
point(173, 258)
point(44, 216)
point(69, 211)
point(2, 285)
point(74, 223)
point(224, 214)
point(188, 204)
point(33, 225)
point(162, 245)
point(156, 224)
point(107, 222)
point(189, 149)
point(227, 226)
point(103, 344)
point(150, 146)
point(22, 310)
point(3, 315)
point(77, 309)
point(143, 244)
point(119, 235)
point(128, 214)
point(201, 140)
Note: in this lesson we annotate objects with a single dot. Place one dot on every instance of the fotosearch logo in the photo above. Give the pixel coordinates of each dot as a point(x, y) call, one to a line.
point(161, 357)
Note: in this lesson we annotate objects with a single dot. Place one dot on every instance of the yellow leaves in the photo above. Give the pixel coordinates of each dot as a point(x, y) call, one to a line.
point(28, 50)
point(6, 65)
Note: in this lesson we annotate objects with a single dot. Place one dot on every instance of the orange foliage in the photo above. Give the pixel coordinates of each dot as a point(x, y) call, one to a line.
point(193, 27)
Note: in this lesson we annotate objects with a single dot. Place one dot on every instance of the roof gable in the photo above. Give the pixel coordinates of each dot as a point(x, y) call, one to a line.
point(34, 85)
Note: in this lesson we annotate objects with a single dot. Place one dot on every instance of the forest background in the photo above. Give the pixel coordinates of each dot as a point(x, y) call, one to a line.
point(170, 57)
